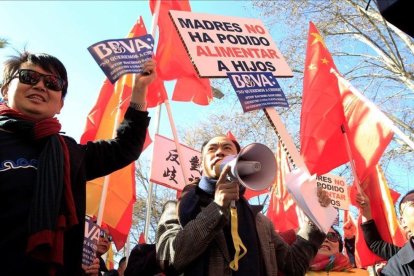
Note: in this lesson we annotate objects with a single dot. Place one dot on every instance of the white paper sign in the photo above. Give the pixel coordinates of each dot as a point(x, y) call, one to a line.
point(303, 188)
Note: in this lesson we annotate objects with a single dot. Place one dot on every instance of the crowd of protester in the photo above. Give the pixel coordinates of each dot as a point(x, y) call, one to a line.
point(43, 177)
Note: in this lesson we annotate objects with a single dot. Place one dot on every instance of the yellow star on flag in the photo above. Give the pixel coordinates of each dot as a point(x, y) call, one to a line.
point(318, 38)
point(312, 67)
point(325, 61)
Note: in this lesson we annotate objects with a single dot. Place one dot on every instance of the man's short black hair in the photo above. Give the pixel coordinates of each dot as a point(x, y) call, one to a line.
point(403, 199)
point(45, 61)
point(234, 142)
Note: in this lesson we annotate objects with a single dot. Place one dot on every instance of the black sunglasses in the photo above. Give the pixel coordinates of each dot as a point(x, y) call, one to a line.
point(332, 237)
point(31, 77)
point(104, 235)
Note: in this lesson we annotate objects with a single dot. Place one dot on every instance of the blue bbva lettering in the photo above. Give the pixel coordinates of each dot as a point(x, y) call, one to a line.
point(247, 80)
point(91, 231)
point(238, 81)
point(118, 47)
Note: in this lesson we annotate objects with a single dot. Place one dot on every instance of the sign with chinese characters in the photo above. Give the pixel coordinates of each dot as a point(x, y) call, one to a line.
point(219, 44)
point(118, 57)
point(166, 167)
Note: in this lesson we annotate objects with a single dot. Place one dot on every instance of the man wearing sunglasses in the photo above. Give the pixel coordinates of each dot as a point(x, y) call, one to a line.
point(43, 174)
point(98, 267)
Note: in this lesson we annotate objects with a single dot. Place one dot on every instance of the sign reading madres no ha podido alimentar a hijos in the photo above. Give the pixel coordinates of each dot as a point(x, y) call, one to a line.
point(220, 44)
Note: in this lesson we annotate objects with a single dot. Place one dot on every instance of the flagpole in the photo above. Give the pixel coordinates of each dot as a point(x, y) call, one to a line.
point(351, 159)
point(177, 144)
point(127, 250)
point(158, 116)
point(107, 177)
point(286, 140)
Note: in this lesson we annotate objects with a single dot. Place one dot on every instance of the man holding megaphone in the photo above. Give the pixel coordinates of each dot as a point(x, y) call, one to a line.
point(215, 231)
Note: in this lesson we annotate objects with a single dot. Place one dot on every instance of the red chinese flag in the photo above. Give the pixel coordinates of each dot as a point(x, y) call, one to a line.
point(327, 105)
point(282, 207)
point(173, 62)
point(110, 106)
point(322, 114)
point(367, 134)
point(383, 213)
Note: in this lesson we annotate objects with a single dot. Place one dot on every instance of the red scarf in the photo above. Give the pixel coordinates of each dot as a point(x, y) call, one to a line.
point(51, 198)
point(337, 262)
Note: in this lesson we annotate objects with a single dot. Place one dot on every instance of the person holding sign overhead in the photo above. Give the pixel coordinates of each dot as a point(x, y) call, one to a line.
point(195, 236)
point(43, 173)
point(330, 259)
point(98, 266)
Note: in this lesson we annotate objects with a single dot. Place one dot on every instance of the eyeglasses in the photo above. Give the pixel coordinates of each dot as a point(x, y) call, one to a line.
point(332, 237)
point(105, 235)
point(31, 77)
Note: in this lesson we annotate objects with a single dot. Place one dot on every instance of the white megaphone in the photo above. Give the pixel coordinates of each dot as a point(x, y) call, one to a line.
point(254, 167)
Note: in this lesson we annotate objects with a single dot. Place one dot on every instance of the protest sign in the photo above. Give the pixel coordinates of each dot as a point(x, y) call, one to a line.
point(166, 164)
point(90, 241)
point(220, 44)
point(118, 57)
point(257, 90)
point(303, 189)
point(336, 188)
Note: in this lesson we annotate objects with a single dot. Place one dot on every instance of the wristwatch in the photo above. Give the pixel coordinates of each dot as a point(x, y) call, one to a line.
point(138, 106)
